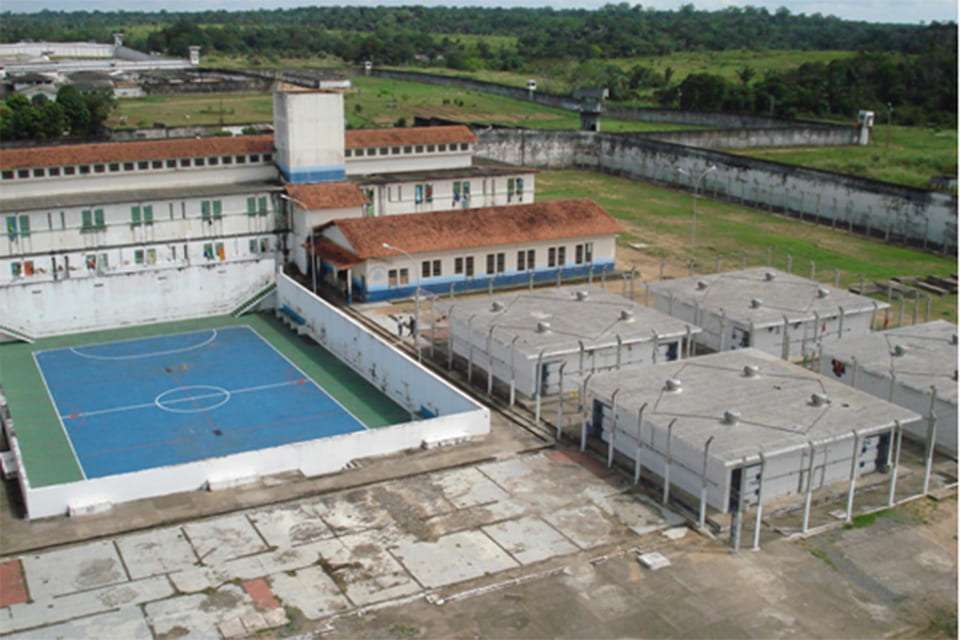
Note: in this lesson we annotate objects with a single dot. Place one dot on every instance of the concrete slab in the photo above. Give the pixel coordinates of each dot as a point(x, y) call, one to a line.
point(290, 525)
point(637, 513)
point(453, 558)
point(529, 539)
point(311, 591)
point(154, 552)
point(351, 512)
point(102, 600)
point(127, 623)
point(365, 571)
point(586, 525)
point(468, 488)
point(77, 568)
point(224, 538)
point(198, 616)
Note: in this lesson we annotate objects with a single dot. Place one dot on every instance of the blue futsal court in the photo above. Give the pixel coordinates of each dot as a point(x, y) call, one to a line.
point(151, 402)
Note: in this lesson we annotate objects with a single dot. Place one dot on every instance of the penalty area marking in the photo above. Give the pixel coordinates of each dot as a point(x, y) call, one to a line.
point(136, 356)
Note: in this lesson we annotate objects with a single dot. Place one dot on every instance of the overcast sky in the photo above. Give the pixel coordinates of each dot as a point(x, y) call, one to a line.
point(912, 11)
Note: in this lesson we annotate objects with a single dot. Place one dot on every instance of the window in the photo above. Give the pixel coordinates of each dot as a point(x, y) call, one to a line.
point(469, 267)
point(520, 189)
point(359, 152)
point(584, 253)
point(464, 146)
point(253, 246)
point(267, 157)
point(199, 162)
point(264, 245)
point(458, 266)
point(99, 168)
point(408, 149)
point(7, 175)
point(227, 159)
point(213, 161)
point(208, 207)
point(156, 164)
point(348, 153)
point(91, 262)
point(461, 192)
point(262, 205)
point(384, 151)
point(135, 217)
point(241, 159)
point(114, 167)
point(205, 211)
point(25, 173)
point(138, 256)
point(143, 165)
point(419, 148)
point(84, 169)
point(208, 251)
point(418, 194)
point(251, 206)
point(255, 157)
point(12, 227)
point(496, 263)
point(430, 268)
point(221, 252)
point(556, 256)
point(148, 214)
point(511, 188)
point(151, 256)
point(526, 260)
point(437, 268)
point(69, 171)
point(425, 269)
point(86, 220)
point(171, 164)
point(428, 192)
point(395, 151)
point(24, 226)
point(184, 162)
point(53, 171)
point(38, 173)
point(441, 147)
point(15, 269)
point(98, 220)
point(431, 148)
point(396, 277)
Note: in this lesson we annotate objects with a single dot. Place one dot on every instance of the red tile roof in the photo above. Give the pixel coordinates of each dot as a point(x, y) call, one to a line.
point(331, 252)
point(326, 195)
point(357, 138)
point(470, 228)
point(104, 152)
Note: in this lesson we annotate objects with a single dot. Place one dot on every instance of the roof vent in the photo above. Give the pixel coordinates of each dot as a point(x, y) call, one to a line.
point(582, 295)
point(899, 350)
point(731, 417)
point(543, 327)
point(673, 385)
point(701, 285)
point(769, 275)
point(626, 315)
point(822, 293)
point(756, 303)
point(496, 305)
point(751, 371)
point(819, 399)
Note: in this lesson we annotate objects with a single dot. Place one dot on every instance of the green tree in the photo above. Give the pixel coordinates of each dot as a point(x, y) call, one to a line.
point(75, 109)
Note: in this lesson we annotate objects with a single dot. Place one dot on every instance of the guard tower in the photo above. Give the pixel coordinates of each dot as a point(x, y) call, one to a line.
point(591, 106)
point(531, 88)
point(117, 40)
point(308, 133)
point(367, 67)
point(194, 55)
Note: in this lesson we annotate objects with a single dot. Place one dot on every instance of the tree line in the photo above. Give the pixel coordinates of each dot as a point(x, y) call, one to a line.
point(73, 113)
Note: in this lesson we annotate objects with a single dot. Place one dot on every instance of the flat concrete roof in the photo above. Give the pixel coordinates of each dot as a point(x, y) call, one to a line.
point(56, 201)
point(927, 356)
point(775, 406)
point(596, 320)
point(480, 168)
point(785, 294)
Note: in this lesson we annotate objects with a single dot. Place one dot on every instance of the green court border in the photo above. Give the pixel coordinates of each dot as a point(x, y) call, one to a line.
point(47, 452)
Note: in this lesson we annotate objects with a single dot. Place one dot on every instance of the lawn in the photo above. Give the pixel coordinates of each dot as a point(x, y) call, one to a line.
point(904, 155)
point(374, 102)
point(661, 219)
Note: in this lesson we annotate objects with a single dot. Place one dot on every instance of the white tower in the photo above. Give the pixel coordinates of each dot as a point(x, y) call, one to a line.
point(194, 55)
point(308, 133)
point(117, 40)
point(865, 120)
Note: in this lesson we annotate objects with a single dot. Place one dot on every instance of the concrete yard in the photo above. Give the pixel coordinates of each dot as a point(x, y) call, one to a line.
point(541, 544)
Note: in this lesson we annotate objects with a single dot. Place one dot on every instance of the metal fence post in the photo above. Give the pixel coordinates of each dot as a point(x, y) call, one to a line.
point(931, 440)
point(702, 518)
point(852, 486)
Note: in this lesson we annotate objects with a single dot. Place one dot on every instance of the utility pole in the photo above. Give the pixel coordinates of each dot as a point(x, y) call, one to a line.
point(696, 193)
point(416, 316)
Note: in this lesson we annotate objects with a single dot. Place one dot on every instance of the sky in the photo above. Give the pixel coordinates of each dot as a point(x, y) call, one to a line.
point(908, 11)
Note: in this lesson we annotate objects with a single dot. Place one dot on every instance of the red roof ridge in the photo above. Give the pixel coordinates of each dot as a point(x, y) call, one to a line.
point(326, 195)
point(447, 134)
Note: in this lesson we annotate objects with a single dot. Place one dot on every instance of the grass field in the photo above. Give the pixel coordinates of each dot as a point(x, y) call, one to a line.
point(905, 155)
point(375, 102)
point(661, 219)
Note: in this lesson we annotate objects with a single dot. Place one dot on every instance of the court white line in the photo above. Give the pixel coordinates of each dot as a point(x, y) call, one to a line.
point(162, 335)
point(202, 396)
point(325, 392)
point(138, 356)
point(56, 410)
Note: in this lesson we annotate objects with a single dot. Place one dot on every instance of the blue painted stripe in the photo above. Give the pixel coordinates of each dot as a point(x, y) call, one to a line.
point(307, 175)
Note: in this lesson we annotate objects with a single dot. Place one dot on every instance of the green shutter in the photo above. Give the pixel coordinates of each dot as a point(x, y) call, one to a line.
point(251, 206)
point(12, 227)
point(135, 216)
point(87, 219)
point(24, 226)
point(148, 214)
point(138, 256)
point(98, 218)
point(217, 209)
point(205, 210)
point(262, 204)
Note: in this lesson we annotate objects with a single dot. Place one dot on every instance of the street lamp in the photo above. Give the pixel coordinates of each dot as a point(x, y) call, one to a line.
point(696, 192)
point(313, 252)
point(416, 297)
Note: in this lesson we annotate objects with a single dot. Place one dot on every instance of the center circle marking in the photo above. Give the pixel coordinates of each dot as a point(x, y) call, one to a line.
point(209, 397)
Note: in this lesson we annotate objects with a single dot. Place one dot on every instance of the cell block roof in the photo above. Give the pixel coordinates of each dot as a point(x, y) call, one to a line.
point(764, 296)
point(773, 407)
point(574, 314)
point(920, 356)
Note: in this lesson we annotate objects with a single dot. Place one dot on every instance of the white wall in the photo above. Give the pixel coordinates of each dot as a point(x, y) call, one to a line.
point(134, 297)
point(400, 197)
point(881, 386)
point(394, 162)
point(305, 221)
point(308, 133)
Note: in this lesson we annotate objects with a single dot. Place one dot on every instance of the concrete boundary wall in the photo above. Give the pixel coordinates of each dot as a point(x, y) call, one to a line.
point(918, 217)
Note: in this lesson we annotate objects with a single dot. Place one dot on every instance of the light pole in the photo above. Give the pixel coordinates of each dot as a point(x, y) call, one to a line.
point(416, 298)
point(313, 253)
point(696, 192)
